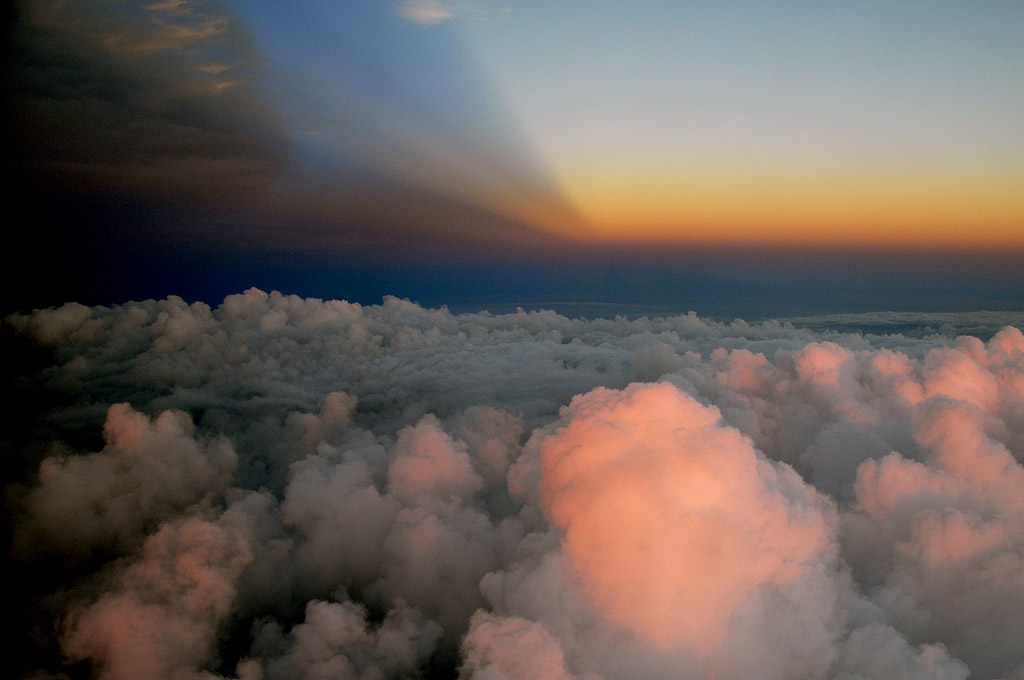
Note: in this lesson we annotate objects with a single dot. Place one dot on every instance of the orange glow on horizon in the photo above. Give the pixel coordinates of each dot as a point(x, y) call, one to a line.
point(812, 206)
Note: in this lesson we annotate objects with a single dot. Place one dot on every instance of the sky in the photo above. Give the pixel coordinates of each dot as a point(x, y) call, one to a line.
point(876, 123)
point(361, 149)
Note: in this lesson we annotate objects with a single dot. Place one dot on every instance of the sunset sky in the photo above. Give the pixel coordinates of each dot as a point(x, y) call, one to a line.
point(801, 123)
point(160, 144)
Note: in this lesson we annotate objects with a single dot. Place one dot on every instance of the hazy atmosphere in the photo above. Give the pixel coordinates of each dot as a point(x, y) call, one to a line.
point(513, 340)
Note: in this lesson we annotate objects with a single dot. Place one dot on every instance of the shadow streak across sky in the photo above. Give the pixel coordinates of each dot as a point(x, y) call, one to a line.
point(150, 139)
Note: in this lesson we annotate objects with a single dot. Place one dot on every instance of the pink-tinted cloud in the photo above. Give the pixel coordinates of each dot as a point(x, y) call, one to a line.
point(510, 648)
point(673, 519)
point(161, 617)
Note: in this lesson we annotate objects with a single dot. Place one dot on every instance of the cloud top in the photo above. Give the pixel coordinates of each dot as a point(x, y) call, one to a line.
point(672, 518)
point(281, 487)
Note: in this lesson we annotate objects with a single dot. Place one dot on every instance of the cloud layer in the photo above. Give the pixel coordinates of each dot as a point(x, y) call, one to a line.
point(289, 488)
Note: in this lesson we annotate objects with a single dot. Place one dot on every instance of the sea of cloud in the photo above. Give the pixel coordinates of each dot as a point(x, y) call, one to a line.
point(285, 488)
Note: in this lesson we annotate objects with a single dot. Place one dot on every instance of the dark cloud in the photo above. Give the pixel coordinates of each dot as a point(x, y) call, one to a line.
point(141, 101)
point(134, 129)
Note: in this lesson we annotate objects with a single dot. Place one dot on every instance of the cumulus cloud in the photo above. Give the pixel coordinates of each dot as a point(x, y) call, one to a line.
point(281, 487)
point(510, 648)
point(149, 471)
point(161, 617)
point(948, 530)
point(335, 640)
point(672, 520)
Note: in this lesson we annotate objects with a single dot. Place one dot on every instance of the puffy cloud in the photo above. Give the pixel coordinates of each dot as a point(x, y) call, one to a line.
point(162, 616)
point(942, 538)
point(343, 518)
point(336, 641)
point(510, 648)
point(150, 470)
point(875, 651)
point(675, 521)
point(291, 487)
point(428, 463)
